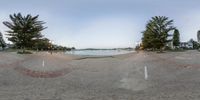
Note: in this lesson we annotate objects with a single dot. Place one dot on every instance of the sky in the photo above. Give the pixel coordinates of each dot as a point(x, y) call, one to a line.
point(103, 23)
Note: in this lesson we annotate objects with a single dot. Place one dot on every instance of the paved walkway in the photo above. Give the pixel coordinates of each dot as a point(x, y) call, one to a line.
point(171, 76)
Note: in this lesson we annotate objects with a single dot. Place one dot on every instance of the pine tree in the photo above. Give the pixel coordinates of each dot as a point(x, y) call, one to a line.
point(24, 30)
point(176, 38)
point(157, 32)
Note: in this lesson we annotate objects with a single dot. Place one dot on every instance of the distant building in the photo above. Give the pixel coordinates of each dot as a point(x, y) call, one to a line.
point(188, 45)
point(170, 45)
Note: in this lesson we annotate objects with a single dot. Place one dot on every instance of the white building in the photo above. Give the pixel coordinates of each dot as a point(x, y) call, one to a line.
point(188, 45)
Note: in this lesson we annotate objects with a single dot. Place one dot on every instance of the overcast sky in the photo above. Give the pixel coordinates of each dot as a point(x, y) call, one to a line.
point(103, 23)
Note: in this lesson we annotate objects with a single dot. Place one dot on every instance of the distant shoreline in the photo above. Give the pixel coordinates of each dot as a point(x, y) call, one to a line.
point(106, 49)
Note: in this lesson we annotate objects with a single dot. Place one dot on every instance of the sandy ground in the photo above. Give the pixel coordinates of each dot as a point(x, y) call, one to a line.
point(42, 76)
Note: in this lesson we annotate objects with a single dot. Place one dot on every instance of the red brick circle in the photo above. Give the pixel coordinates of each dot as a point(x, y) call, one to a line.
point(43, 74)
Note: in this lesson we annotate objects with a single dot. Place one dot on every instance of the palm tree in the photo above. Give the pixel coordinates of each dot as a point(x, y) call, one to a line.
point(24, 30)
point(158, 28)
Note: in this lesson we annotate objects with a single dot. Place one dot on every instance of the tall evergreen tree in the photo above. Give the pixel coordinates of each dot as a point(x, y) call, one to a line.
point(146, 40)
point(176, 38)
point(157, 32)
point(198, 36)
point(24, 30)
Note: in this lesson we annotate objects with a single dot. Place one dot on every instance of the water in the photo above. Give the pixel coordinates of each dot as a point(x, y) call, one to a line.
point(99, 52)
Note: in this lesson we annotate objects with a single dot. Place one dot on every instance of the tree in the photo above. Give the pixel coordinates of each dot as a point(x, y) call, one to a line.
point(196, 45)
point(2, 42)
point(41, 44)
point(176, 38)
point(146, 40)
point(24, 30)
point(157, 32)
point(73, 48)
point(198, 36)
